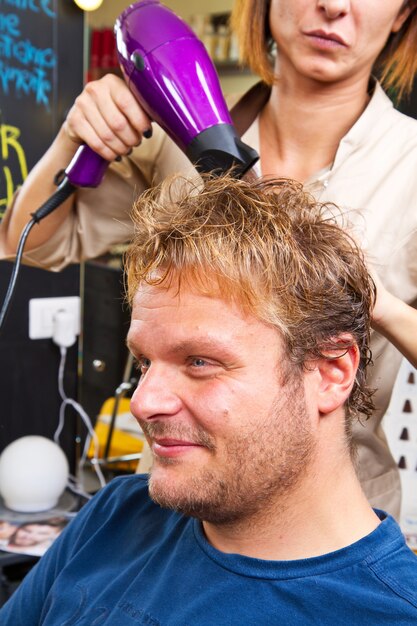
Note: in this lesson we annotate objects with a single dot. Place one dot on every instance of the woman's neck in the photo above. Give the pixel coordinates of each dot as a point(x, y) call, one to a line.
point(303, 122)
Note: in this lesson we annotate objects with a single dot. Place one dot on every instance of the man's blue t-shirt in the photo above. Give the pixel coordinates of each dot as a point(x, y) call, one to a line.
point(124, 561)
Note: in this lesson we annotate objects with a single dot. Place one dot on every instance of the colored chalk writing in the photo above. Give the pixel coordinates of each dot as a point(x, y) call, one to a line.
point(13, 166)
point(41, 61)
point(36, 6)
point(25, 68)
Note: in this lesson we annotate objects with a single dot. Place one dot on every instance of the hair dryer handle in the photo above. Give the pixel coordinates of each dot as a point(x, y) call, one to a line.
point(87, 168)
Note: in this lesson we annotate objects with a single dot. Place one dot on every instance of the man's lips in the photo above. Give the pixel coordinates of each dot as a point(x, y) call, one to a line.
point(332, 38)
point(173, 447)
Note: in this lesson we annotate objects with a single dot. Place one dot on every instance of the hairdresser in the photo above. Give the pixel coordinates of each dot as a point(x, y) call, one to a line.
point(319, 117)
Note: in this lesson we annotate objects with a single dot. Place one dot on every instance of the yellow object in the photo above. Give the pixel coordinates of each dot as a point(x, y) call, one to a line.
point(127, 436)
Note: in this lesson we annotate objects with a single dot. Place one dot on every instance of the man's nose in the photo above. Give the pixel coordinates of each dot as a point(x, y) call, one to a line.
point(334, 8)
point(156, 394)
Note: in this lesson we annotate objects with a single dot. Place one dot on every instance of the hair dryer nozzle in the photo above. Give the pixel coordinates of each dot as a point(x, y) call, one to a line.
point(173, 78)
point(218, 149)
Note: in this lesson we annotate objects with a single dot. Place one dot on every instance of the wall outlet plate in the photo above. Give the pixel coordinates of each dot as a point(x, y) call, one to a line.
point(43, 310)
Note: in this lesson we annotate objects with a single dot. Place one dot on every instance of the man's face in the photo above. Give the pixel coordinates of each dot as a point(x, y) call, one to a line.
point(226, 420)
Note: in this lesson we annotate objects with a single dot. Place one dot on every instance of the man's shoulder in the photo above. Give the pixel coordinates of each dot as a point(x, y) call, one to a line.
point(122, 506)
point(393, 569)
point(127, 489)
point(397, 571)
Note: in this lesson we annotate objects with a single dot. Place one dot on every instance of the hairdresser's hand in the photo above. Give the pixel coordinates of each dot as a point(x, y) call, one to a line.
point(107, 117)
point(383, 302)
point(396, 320)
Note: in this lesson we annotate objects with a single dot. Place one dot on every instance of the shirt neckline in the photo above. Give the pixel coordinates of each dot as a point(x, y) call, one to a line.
point(370, 548)
point(355, 136)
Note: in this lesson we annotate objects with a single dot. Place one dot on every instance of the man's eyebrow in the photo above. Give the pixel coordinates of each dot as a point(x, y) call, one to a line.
point(194, 345)
point(197, 344)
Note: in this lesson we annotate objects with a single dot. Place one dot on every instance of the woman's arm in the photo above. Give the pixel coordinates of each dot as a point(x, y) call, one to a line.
point(397, 321)
point(105, 116)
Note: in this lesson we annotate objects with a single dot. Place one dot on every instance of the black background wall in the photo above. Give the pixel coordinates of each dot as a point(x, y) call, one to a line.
point(106, 322)
point(41, 72)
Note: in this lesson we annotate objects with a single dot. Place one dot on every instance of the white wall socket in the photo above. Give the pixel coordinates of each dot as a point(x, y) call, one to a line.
point(43, 310)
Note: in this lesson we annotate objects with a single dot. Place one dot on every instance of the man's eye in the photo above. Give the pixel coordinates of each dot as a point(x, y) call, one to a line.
point(200, 367)
point(197, 362)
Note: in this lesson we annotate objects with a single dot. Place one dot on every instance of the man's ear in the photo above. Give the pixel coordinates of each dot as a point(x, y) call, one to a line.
point(337, 370)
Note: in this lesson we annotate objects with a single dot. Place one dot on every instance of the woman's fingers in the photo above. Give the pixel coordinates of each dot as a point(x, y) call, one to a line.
point(107, 117)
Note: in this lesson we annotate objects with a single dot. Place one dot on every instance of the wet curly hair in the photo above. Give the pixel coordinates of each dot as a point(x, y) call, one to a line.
point(271, 248)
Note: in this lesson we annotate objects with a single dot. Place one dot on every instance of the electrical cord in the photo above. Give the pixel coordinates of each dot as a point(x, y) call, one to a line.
point(66, 401)
point(63, 192)
point(15, 272)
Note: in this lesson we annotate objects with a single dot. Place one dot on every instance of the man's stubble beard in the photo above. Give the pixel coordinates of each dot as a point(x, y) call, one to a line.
point(262, 467)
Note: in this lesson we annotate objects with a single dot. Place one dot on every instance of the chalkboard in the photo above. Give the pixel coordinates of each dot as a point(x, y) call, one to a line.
point(41, 72)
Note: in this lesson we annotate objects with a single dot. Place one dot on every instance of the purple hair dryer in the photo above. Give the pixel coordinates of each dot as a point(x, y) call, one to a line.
point(170, 73)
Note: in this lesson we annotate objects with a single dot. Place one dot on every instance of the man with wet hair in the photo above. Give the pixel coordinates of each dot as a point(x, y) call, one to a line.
point(250, 326)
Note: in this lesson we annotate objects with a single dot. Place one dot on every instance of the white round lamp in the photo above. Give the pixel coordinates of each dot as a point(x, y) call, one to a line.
point(33, 474)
